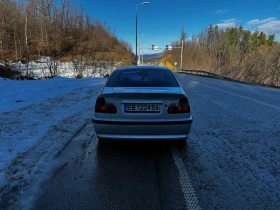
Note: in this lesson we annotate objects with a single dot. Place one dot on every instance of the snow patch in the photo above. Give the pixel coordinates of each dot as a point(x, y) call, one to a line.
point(3, 180)
point(38, 118)
point(64, 69)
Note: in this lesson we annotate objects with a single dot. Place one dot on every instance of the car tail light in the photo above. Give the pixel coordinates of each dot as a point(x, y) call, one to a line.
point(102, 107)
point(182, 107)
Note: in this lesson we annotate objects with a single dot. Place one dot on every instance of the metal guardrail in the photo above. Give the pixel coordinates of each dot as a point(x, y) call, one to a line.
point(208, 74)
point(218, 76)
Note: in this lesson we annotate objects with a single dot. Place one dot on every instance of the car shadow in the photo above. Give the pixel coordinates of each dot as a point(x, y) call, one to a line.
point(136, 173)
point(135, 147)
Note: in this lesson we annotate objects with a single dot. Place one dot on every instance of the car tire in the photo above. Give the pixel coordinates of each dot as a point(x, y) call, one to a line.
point(103, 141)
point(182, 142)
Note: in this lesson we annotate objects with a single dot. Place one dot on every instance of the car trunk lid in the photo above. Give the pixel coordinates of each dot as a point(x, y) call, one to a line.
point(143, 103)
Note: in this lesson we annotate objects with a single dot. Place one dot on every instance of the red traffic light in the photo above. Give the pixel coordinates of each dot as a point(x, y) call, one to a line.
point(153, 47)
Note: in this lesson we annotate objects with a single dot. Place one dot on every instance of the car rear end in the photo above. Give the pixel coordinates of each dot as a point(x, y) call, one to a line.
point(142, 110)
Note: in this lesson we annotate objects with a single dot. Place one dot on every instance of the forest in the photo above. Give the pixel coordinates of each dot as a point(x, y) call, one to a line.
point(63, 31)
point(251, 56)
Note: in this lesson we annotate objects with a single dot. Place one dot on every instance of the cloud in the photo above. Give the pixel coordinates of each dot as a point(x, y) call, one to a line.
point(257, 21)
point(227, 23)
point(271, 27)
point(253, 22)
point(221, 11)
point(229, 20)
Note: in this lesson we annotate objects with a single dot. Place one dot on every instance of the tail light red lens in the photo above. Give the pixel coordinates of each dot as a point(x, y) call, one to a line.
point(182, 107)
point(102, 107)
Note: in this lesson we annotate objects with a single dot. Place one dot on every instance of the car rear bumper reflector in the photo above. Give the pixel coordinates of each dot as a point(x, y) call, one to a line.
point(118, 122)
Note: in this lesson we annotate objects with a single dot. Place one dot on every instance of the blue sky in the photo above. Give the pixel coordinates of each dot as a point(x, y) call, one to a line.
point(161, 21)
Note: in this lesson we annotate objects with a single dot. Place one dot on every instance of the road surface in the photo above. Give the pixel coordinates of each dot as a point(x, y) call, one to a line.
point(231, 160)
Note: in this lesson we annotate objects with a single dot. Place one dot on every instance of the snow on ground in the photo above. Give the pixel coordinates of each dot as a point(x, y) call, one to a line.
point(65, 69)
point(37, 119)
point(16, 94)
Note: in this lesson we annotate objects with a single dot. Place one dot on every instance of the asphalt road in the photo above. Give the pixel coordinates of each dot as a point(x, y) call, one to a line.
point(231, 160)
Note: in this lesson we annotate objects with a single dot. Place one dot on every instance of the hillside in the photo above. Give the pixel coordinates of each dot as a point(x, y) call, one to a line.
point(155, 56)
point(235, 52)
point(62, 31)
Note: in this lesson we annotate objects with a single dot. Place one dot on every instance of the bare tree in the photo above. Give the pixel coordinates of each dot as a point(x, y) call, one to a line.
point(52, 63)
point(30, 28)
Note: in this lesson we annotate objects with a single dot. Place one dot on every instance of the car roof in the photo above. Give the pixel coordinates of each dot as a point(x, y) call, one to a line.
point(141, 67)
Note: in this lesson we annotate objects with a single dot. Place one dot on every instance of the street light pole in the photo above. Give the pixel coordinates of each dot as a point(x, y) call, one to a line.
point(139, 56)
point(181, 65)
point(137, 30)
point(136, 34)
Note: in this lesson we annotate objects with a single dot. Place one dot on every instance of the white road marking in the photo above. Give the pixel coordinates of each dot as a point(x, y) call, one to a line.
point(254, 100)
point(184, 180)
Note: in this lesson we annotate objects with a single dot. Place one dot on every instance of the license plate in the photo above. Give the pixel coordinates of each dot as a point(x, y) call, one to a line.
point(142, 107)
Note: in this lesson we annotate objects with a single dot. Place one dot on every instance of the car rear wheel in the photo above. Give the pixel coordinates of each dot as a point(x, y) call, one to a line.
point(103, 141)
point(100, 141)
point(181, 142)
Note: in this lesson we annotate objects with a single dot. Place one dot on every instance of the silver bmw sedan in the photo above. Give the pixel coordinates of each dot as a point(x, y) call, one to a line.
point(142, 102)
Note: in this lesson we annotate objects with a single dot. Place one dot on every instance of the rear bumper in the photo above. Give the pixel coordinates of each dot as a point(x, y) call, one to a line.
point(108, 128)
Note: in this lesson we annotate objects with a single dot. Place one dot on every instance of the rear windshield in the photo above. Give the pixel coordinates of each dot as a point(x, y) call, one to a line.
point(142, 78)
